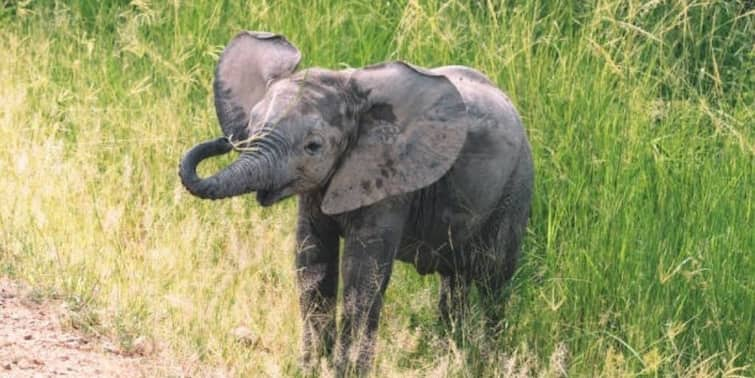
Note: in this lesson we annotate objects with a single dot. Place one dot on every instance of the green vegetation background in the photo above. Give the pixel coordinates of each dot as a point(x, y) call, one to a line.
point(640, 254)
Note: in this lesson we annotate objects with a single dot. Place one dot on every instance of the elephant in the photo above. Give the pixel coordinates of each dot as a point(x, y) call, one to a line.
point(430, 167)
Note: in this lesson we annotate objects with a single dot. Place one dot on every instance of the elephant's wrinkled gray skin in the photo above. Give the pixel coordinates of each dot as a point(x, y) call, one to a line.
point(431, 167)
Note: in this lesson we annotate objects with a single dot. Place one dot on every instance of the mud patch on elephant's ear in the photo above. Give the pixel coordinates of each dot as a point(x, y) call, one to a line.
point(408, 137)
point(367, 186)
point(382, 112)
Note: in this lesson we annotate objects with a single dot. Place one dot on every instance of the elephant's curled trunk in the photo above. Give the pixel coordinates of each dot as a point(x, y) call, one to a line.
point(238, 178)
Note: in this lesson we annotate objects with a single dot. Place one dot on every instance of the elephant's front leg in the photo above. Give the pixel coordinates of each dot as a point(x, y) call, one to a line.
point(317, 277)
point(371, 245)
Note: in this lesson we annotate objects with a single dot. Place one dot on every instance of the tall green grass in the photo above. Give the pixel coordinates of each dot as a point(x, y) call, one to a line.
point(640, 254)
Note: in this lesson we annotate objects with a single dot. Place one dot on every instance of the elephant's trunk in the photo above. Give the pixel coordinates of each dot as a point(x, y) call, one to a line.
point(240, 177)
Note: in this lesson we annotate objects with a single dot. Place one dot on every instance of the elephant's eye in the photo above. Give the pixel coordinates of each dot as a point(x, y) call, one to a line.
point(313, 147)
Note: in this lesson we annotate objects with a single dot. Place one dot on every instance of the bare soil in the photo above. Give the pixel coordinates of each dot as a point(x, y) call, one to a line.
point(34, 344)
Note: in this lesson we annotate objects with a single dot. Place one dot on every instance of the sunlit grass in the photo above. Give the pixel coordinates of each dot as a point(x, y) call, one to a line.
point(640, 253)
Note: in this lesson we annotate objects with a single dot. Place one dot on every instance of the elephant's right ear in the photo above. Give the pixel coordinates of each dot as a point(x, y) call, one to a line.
point(249, 62)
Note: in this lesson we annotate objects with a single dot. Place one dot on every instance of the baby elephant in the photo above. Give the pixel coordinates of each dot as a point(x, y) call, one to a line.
point(428, 166)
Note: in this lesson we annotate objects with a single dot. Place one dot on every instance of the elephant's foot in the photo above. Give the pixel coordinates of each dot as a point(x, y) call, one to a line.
point(356, 360)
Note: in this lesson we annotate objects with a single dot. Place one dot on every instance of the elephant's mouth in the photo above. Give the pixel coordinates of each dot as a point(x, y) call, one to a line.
point(269, 197)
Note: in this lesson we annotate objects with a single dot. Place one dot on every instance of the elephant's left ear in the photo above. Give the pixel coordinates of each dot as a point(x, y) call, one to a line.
point(411, 131)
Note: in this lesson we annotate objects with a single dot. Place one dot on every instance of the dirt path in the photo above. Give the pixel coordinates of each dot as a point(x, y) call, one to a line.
point(33, 344)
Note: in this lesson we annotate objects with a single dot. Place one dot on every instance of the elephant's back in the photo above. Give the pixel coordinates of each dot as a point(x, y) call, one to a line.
point(492, 164)
point(461, 73)
point(496, 145)
point(491, 112)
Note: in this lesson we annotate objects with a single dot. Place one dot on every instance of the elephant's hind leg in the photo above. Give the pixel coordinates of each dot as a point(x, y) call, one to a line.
point(499, 249)
point(454, 293)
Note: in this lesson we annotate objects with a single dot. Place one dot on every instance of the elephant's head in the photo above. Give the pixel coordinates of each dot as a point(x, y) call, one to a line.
point(355, 135)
